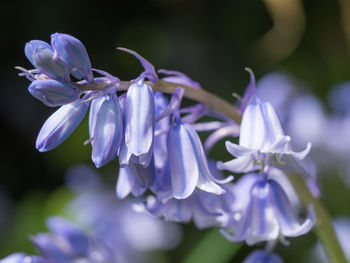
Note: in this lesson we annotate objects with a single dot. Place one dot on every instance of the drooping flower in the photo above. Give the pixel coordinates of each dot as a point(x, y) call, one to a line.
point(139, 115)
point(263, 212)
point(60, 125)
point(106, 128)
point(188, 163)
point(262, 139)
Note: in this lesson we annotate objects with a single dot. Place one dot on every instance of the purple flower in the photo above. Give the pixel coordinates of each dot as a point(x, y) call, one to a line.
point(261, 140)
point(188, 163)
point(262, 256)
point(263, 212)
point(22, 258)
point(74, 54)
point(53, 93)
point(206, 209)
point(135, 179)
point(139, 124)
point(106, 128)
point(60, 125)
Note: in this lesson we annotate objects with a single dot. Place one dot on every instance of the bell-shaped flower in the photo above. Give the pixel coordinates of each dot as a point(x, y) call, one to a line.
point(74, 54)
point(135, 179)
point(53, 93)
point(262, 256)
point(262, 138)
point(264, 212)
point(188, 163)
point(106, 128)
point(60, 125)
point(139, 116)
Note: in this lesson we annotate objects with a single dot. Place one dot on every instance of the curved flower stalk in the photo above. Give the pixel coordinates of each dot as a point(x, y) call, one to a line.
point(264, 212)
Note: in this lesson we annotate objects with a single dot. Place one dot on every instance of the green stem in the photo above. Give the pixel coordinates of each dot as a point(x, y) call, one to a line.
point(324, 228)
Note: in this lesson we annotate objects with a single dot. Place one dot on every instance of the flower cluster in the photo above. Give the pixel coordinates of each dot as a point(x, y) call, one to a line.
point(160, 151)
point(64, 243)
point(110, 231)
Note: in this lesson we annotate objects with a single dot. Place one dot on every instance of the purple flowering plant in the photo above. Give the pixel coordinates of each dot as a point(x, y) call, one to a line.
point(162, 161)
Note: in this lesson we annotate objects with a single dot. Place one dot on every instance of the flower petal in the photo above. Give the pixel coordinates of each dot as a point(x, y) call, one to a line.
point(52, 92)
point(60, 125)
point(206, 181)
point(108, 132)
point(31, 46)
point(72, 52)
point(183, 162)
point(139, 119)
point(286, 215)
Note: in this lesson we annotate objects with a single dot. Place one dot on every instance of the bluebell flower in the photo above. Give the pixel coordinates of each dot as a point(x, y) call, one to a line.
point(60, 125)
point(31, 46)
point(106, 128)
point(74, 54)
point(205, 209)
point(263, 212)
point(262, 256)
point(124, 225)
point(262, 139)
point(135, 179)
point(188, 162)
point(139, 124)
point(53, 93)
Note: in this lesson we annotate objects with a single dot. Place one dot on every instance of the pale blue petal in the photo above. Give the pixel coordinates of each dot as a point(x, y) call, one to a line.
point(31, 46)
point(60, 125)
point(263, 222)
point(242, 164)
point(135, 178)
point(52, 66)
point(183, 163)
point(76, 239)
point(238, 150)
point(52, 92)
point(250, 91)
point(108, 132)
point(205, 179)
point(286, 215)
point(74, 54)
point(139, 120)
point(253, 134)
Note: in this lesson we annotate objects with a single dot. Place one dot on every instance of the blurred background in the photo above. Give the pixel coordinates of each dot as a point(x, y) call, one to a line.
point(299, 49)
